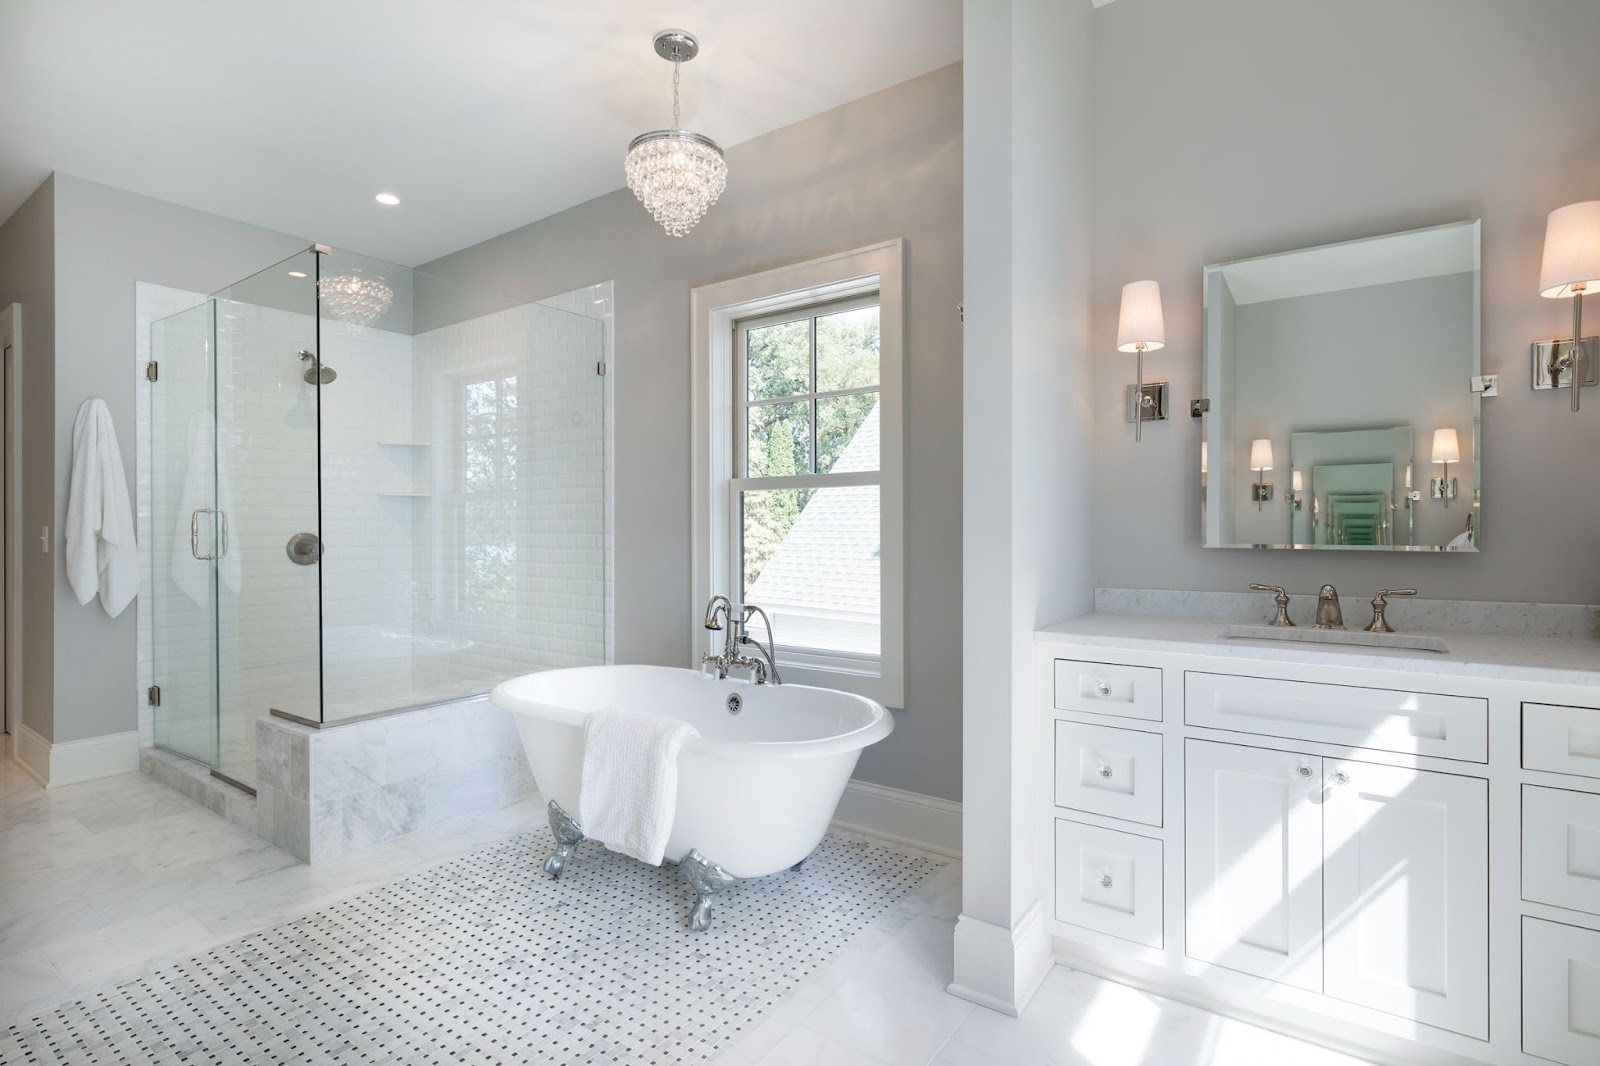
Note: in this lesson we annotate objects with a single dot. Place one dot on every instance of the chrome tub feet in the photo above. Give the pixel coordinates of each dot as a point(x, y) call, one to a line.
point(708, 881)
point(568, 834)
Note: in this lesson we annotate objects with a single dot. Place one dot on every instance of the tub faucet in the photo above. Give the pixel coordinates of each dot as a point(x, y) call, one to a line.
point(722, 614)
point(1329, 614)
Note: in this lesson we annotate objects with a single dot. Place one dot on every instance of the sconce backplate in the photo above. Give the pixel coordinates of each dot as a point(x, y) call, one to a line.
point(1155, 401)
point(1540, 357)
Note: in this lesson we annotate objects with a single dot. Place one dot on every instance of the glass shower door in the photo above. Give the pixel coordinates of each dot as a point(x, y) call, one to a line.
point(184, 532)
point(268, 574)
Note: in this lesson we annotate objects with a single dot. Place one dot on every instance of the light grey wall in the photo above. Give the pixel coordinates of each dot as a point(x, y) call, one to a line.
point(1239, 127)
point(27, 277)
point(1379, 355)
point(106, 240)
point(888, 165)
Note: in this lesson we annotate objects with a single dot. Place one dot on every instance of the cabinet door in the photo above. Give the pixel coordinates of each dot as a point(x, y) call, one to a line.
point(1406, 895)
point(1253, 861)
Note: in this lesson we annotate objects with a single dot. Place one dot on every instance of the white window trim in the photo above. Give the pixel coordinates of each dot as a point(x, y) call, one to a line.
point(714, 311)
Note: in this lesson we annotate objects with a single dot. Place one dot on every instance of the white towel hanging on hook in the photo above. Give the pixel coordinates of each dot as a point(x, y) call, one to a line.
point(102, 554)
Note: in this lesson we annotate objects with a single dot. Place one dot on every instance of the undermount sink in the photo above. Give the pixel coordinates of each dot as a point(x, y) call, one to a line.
point(1358, 638)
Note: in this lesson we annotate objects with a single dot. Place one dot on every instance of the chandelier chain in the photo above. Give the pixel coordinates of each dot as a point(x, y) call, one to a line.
point(676, 123)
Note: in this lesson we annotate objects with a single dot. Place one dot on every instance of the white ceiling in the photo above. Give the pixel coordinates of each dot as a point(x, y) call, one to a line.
point(482, 115)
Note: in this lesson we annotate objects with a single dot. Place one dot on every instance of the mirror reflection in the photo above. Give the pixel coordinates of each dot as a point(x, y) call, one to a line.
point(1341, 410)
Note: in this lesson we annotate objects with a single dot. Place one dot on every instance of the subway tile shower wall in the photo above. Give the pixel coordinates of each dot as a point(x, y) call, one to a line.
point(462, 514)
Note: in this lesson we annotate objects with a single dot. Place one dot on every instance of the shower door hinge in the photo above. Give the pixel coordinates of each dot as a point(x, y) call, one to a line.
point(153, 695)
point(600, 368)
point(150, 370)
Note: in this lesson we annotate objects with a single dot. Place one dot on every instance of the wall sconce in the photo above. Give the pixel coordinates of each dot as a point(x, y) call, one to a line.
point(1446, 450)
point(1571, 267)
point(1140, 329)
point(1297, 487)
point(1261, 462)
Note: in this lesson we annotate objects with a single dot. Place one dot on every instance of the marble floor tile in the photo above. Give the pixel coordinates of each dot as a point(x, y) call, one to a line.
point(27, 978)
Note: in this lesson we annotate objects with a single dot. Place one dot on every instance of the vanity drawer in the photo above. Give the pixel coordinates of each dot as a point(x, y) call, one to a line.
point(1418, 723)
point(1109, 882)
point(1563, 740)
point(1560, 992)
point(1107, 688)
point(1561, 848)
point(1114, 772)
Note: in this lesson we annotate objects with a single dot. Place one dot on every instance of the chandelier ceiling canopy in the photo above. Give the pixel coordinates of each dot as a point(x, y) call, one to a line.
point(675, 173)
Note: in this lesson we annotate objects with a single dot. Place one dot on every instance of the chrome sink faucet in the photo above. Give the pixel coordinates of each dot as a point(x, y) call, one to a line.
point(1329, 614)
point(722, 614)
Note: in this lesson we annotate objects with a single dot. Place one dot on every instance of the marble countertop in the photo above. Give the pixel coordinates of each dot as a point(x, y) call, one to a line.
point(1488, 655)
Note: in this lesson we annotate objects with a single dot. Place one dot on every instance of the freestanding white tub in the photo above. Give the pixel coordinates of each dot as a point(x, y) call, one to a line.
point(756, 789)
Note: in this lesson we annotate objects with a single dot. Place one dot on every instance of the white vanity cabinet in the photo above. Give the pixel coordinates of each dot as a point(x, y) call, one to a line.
point(1393, 852)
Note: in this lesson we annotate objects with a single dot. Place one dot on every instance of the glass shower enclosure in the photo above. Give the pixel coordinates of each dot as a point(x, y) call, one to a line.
point(371, 489)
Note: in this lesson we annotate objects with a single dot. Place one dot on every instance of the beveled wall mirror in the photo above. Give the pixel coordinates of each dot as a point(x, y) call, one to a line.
point(1342, 414)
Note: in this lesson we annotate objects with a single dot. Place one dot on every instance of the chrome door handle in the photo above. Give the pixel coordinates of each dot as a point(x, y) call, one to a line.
point(194, 534)
point(222, 534)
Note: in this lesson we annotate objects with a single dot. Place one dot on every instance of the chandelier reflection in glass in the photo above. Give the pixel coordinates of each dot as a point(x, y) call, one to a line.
point(354, 298)
point(676, 174)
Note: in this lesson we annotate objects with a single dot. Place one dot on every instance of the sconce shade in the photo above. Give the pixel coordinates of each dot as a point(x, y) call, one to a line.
point(1140, 321)
point(1299, 486)
point(1261, 454)
point(1446, 448)
point(1571, 251)
point(1205, 466)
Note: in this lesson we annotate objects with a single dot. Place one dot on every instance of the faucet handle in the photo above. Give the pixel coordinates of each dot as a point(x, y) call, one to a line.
point(1384, 594)
point(1281, 599)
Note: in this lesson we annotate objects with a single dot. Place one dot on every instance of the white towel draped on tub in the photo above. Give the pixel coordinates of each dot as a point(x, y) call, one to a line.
point(629, 790)
point(102, 556)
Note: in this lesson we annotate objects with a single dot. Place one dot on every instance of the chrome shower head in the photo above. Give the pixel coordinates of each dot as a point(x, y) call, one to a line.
point(316, 373)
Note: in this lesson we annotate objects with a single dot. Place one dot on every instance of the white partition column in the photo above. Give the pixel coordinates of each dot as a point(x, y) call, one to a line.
point(1026, 441)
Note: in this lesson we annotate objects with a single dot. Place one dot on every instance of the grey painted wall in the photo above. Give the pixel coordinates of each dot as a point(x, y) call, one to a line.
point(27, 276)
point(106, 240)
point(888, 165)
point(1380, 117)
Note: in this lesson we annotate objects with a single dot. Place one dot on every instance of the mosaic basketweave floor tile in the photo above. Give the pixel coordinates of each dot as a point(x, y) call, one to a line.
point(485, 959)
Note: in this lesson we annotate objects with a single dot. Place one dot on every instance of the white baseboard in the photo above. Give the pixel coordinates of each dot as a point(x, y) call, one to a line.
point(53, 765)
point(32, 753)
point(1001, 968)
point(925, 822)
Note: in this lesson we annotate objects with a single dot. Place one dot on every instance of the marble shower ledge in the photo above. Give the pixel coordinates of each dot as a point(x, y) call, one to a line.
point(1561, 621)
point(1496, 656)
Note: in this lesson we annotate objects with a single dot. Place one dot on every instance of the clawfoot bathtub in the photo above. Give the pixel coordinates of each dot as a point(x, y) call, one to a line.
point(756, 789)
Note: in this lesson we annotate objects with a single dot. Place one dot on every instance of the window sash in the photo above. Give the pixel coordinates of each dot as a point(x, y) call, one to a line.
point(741, 372)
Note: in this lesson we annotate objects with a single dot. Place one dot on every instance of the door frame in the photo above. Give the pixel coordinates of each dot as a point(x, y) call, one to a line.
point(10, 529)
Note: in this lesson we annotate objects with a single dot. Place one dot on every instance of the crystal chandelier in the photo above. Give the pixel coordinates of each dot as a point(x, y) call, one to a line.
point(676, 174)
point(354, 298)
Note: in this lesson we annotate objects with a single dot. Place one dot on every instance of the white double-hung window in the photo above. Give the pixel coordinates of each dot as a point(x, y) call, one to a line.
point(799, 464)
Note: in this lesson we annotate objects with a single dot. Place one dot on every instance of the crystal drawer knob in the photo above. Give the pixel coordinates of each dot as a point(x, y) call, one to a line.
point(1340, 777)
point(1303, 770)
point(1103, 687)
point(1105, 880)
point(1104, 771)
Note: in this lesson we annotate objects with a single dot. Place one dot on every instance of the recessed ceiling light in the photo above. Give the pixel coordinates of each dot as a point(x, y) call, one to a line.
point(387, 199)
point(297, 273)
